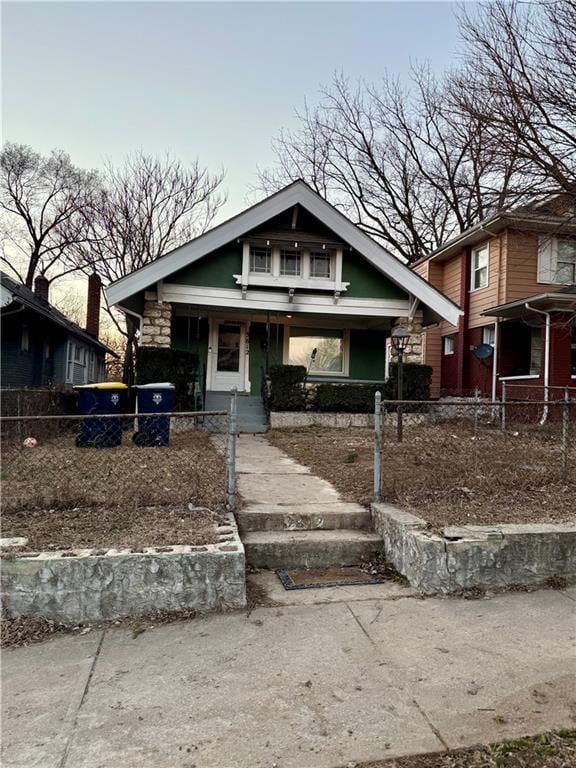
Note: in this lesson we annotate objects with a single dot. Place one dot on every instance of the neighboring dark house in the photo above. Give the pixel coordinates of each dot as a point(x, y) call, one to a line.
point(41, 347)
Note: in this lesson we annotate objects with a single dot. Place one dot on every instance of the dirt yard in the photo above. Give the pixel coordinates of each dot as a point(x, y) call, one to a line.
point(60, 496)
point(443, 474)
point(546, 750)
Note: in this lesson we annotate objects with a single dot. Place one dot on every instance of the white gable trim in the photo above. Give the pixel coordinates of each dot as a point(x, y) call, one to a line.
point(296, 193)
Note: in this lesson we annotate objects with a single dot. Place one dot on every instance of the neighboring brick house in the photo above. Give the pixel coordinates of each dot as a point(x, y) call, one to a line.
point(514, 276)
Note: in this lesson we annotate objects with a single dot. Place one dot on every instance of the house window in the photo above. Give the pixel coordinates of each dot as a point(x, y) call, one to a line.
point(320, 351)
point(479, 268)
point(535, 350)
point(566, 262)
point(448, 345)
point(290, 262)
point(321, 265)
point(260, 260)
point(70, 351)
point(25, 339)
point(76, 364)
point(489, 334)
point(573, 352)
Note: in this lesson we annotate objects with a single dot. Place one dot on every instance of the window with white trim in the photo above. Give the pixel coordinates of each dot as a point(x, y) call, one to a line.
point(70, 352)
point(535, 351)
point(260, 260)
point(321, 264)
point(479, 277)
point(448, 345)
point(290, 262)
point(556, 260)
point(322, 352)
point(489, 335)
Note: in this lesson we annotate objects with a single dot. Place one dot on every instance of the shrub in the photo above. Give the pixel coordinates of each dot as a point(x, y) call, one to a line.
point(417, 380)
point(345, 398)
point(163, 364)
point(287, 387)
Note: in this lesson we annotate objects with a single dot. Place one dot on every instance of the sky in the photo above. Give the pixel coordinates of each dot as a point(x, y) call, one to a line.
point(214, 81)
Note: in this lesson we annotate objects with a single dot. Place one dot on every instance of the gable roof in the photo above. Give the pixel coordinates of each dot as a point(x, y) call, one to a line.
point(297, 193)
point(23, 295)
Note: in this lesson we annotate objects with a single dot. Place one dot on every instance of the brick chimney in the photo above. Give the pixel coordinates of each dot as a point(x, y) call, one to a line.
point(93, 305)
point(41, 288)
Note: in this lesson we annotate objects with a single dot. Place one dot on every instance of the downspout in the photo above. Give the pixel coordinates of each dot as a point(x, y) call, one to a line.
point(546, 358)
point(495, 359)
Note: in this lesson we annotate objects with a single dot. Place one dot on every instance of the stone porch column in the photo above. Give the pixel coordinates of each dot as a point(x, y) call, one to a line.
point(413, 353)
point(156, 325)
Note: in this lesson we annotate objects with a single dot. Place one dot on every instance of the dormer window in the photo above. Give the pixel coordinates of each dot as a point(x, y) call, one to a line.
point(260, 261)
point(290, 262)
point(321, 265)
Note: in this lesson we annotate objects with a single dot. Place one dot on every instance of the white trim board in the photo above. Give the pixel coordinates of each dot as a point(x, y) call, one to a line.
point(279, 301)
point(297, 193)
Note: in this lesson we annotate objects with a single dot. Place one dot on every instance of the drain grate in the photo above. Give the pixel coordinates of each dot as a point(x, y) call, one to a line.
point(326, 577)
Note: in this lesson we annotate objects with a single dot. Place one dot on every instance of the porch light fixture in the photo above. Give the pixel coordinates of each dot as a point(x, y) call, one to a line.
point(399, 339)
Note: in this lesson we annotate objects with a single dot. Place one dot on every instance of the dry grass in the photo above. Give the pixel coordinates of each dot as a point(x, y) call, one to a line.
point(61, 496)
point(556, 749)
point(440, 472)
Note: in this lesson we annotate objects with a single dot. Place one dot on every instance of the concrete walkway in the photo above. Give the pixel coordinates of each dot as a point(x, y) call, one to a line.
point(296, 686)
point(291, 517)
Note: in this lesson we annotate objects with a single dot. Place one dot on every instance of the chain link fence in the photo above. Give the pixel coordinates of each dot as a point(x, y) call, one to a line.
point(160, 472)
point(517, 456)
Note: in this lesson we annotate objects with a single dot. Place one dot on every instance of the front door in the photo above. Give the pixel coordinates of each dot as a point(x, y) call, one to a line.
point(228, 353)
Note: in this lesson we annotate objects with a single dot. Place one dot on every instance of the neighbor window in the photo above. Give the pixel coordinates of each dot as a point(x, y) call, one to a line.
point(76, 364)
point(320, 264)
point(535, 350)
point(488, 334)
point(319, 351)
point(25, 339)
point(261, 260)
point(480, 268)
point(290, 262)
point(573, 352)
point(448, 345)
point(566, 262)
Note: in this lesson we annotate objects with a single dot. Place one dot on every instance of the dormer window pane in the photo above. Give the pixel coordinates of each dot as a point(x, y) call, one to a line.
point(321, 265)
point(261, 260)
point(290, 263)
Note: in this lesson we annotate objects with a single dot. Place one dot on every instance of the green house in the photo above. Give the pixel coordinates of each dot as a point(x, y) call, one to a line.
point(285, 277)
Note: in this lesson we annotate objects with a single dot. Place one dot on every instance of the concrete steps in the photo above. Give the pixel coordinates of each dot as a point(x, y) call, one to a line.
point(251, 414)
point(309, 549)
point(295, 517)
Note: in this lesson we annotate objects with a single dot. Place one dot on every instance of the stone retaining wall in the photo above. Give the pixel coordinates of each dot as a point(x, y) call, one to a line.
point(474, 556)
point(287, 419)
point(92, 585)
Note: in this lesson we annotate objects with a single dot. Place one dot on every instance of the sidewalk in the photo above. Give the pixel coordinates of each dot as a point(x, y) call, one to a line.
point(295, 686)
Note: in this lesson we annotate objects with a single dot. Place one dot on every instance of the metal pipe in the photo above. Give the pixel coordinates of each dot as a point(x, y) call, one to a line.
point(377, 446)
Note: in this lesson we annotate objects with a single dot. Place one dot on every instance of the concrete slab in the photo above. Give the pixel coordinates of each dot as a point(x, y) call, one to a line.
point(254, 454)
point(275, 592)
point(302, 686)
point(309, 548)
point(292, 487)
point(42, 689)
point(260, 517)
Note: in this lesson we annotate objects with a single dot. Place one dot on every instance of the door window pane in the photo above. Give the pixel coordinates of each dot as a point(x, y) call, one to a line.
point(228, 348)
point(329, 346)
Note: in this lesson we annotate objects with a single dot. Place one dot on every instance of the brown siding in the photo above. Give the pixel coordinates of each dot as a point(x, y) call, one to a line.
point(521, 276)
point(451, 285)
point(484, 298)
point(432, 355)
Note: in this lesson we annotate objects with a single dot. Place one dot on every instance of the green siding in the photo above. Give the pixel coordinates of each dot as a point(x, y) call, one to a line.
point(258, 352)
point(213, 271)
point(366, 281)
point(367, 355)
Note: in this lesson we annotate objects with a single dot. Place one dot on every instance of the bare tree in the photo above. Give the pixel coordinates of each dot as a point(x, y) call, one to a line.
point(43, 201)
point(144, 209)
point(518, 81)
point(405, 168)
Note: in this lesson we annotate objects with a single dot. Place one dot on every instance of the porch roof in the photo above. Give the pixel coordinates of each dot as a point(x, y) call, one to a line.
point(562, 300)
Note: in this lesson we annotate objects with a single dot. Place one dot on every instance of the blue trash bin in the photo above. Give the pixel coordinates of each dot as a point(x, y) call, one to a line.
point(98, 399)
point(154, 431)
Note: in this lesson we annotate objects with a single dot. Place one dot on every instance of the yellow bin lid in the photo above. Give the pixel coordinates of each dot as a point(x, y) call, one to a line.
point(103, 385)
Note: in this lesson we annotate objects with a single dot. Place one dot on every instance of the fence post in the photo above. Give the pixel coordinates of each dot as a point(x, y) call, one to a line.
point(503, 408)
point(231, 451)
point(377, 446)
point(565, 434)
